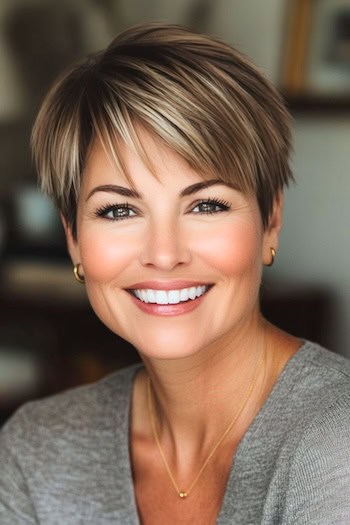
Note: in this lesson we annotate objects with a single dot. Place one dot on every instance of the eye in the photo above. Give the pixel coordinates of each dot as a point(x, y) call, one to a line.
point(210, 206)
point(115, 212)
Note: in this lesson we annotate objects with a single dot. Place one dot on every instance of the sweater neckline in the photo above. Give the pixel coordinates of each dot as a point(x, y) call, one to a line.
point(284, 383)
point(281, 388)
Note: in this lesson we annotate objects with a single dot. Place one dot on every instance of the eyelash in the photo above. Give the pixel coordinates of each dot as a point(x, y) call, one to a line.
point(224, 205)
point(103, 211)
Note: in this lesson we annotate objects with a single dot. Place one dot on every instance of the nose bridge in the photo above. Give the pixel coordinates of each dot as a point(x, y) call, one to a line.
point(164, 245)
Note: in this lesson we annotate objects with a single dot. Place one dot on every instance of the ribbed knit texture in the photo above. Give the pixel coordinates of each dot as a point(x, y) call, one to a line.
point(65, 460)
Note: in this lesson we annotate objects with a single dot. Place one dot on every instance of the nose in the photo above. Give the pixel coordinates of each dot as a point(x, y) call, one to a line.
point(165, 246)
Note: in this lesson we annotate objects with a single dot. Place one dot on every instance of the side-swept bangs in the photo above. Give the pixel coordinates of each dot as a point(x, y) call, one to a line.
point(202, 98)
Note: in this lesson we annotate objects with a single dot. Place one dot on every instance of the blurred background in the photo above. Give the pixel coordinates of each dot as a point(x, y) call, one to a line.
point(49, 337)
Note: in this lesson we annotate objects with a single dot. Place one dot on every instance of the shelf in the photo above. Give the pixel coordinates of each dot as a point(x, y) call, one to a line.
point(41, 281)
point(318, 104)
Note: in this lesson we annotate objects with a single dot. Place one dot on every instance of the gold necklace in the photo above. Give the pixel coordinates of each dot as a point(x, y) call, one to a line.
point(184, 493)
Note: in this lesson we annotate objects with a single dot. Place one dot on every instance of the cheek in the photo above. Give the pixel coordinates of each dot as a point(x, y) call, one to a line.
point(104, 255)
point(236, 249)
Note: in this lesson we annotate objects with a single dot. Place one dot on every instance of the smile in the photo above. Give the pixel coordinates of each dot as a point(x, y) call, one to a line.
point(169, 296)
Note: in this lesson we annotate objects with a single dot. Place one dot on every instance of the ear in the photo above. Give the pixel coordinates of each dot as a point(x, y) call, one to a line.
point(72, 243)
point(272, 231)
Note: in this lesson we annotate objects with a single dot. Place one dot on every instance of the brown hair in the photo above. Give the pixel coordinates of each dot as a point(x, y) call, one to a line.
point(204, 99)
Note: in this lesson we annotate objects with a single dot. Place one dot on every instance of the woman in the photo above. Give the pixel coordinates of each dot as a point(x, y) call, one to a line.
point(167, 155)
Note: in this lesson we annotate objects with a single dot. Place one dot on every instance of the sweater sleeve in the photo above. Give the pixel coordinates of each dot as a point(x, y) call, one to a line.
point(15, 503)
point(319, 482)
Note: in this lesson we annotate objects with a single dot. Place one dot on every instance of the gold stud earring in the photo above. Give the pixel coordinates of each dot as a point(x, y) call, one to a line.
point(80, 278)
point(273, 255)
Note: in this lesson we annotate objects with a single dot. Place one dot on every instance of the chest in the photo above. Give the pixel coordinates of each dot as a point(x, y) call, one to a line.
point(159, 504)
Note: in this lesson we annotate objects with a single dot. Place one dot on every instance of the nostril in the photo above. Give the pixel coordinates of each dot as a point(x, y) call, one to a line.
point(164, 252)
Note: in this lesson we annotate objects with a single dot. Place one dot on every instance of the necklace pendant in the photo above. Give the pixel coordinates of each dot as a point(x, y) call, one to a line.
point(183, 494)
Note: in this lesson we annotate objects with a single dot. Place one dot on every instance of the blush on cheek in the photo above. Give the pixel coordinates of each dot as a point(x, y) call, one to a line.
point(104, 257)
point(235, 249)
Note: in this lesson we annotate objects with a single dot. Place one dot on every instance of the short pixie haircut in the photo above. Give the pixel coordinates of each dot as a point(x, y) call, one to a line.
point(202, 98)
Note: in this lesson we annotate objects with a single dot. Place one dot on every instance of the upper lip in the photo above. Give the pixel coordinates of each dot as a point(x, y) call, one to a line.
point(165, 285)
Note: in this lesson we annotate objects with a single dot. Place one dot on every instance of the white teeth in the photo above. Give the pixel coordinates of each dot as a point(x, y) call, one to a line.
point(161, 297)
point(192, 293)
point(144, 296)
point(170, 296)
point(151, 296)
point(174, 296)
point(184, 294)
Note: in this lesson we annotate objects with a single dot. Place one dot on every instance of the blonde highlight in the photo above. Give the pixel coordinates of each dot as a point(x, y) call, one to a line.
point(202, 98)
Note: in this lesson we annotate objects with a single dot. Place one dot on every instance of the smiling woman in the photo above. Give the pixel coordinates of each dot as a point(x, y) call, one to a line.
point(179, 233)
point(167, 155)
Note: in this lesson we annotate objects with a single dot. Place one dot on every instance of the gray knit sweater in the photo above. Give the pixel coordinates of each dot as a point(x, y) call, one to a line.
point(65, 460)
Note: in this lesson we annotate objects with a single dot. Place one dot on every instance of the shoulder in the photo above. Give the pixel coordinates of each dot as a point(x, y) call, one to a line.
point(320, 373)
point(60, 449)
point(320, 357)
point(325, 376)
point(319, 475)
point(313, 381)
point(319, 478)
point(75, 411)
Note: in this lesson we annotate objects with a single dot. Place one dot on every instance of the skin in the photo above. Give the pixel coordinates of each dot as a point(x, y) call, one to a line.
point(202, 362)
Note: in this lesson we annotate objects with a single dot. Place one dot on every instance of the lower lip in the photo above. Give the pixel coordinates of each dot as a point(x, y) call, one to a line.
point(169, 310)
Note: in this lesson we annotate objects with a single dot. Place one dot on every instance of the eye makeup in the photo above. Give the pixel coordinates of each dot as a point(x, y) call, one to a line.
point(121, 211)
point(115, 212)
point(213, 202)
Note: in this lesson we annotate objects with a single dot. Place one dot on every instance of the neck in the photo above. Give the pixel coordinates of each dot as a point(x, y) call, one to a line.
point(195, 399)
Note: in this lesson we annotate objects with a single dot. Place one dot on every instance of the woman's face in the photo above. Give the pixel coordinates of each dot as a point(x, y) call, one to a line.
point(175, 239)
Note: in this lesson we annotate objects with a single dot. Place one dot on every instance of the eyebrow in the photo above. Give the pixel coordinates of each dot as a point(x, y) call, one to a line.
point(128, 192)
point(113, 188)
point(200, 185)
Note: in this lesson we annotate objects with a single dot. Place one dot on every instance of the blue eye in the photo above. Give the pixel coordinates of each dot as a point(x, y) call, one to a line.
point(115, 212)
point(211, 206)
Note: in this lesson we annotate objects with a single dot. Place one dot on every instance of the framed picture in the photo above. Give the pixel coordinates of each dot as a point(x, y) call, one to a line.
point(317, 51)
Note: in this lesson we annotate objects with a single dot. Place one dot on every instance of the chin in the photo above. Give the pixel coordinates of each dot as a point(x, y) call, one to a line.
point(166, 348)
point(166, 353)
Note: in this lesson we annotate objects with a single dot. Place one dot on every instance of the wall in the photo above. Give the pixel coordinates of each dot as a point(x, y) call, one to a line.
point(316, 235)
point(255, 27)
point(11, 99)
point(315, 243)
